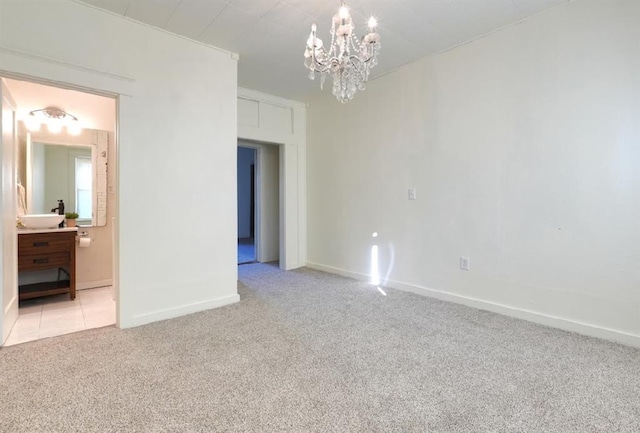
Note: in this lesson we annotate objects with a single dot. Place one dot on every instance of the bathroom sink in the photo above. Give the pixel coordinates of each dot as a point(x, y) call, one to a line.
point(41, 221)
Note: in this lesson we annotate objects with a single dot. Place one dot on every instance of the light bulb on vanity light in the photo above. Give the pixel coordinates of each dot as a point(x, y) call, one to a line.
point(74, 128)
point(32, 124)
point(54, 126)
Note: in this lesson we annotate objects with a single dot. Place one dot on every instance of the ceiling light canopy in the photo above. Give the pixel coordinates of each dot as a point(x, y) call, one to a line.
point(348, 61)
point(55, 119)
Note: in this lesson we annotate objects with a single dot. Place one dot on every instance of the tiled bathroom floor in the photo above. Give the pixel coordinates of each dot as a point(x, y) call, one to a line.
point(57, 315)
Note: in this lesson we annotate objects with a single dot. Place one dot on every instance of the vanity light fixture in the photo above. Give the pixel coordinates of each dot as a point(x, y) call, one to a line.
point(55, 119)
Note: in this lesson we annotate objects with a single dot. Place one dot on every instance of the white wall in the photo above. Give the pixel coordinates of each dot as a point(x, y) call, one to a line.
point(246, 158)
point(176, 151)
point(523, 149)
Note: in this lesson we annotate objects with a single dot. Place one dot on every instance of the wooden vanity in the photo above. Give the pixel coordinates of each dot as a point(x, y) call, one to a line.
point(48, 249)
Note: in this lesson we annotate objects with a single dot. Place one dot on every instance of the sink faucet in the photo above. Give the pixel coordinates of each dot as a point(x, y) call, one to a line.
point(60, 211)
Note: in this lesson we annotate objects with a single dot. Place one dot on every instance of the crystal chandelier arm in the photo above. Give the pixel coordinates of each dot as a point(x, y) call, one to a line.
point(347, 60)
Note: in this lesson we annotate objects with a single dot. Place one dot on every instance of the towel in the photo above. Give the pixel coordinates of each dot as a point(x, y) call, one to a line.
point(22, 200)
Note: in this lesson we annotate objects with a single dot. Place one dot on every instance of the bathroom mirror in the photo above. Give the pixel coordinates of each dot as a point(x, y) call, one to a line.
point(69, 168)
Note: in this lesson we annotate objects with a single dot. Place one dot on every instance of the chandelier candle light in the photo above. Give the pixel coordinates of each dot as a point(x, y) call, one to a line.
point(348, 60)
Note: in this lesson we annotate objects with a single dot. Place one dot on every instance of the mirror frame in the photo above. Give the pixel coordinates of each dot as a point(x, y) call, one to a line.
point(98, 140)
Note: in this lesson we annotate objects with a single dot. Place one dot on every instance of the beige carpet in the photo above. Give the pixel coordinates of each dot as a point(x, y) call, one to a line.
point(306, 351)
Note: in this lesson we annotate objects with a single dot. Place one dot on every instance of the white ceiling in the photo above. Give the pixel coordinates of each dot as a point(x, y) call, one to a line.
point(270, 35)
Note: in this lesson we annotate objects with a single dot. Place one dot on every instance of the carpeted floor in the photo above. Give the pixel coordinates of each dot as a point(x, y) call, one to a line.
point(306, 351)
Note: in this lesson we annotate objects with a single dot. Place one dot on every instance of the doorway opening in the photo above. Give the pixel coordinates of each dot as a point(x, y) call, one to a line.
point(246, 204)
point(259, 184)
point(58, 279)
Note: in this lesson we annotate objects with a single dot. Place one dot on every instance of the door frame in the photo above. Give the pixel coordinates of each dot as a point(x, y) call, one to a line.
point(269, 119)
point(255, 206)
point(258, 239)
point(8, 229)
point(122, 103)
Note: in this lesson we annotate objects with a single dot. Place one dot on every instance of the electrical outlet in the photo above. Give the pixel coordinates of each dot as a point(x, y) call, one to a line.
point(412, 194)
point(464, 263)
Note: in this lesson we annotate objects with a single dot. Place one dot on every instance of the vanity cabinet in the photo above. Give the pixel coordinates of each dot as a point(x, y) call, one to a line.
point(53, 249)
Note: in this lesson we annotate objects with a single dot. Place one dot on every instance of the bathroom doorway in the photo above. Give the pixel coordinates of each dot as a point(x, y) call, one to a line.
point(258, 202)
point(73, 160)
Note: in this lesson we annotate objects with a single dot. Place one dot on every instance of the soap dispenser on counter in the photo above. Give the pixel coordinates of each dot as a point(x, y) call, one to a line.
point(60, 210)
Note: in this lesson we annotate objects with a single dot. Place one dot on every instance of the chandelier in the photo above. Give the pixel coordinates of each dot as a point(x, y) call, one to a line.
point(55, 119)
point(348, 61)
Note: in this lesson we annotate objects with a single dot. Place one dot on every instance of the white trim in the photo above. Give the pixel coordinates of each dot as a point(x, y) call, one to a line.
point(182, 310)
point(259, 235)
point(22, 65)
point(66, 64)
point(292, 173)
point(257, 202)
point(93, 284)
point(10, 315)
point(14, 300)
point(8, 230)
point(52, 72)
point(254, 95)
point(519, 313)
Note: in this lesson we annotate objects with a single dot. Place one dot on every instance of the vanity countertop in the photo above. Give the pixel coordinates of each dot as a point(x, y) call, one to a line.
point(56, 230)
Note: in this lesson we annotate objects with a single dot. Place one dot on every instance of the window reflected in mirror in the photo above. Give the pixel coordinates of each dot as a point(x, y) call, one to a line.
point(82, 187)
point(61, 172)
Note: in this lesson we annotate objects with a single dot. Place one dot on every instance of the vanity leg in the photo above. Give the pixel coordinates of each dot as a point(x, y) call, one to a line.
point(72, 286)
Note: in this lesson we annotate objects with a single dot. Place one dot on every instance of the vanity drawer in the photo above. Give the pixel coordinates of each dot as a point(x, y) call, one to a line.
point(34, 262)
point(39, 243)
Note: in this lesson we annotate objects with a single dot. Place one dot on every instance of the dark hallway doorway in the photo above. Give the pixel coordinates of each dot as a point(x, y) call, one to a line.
point(246, 204)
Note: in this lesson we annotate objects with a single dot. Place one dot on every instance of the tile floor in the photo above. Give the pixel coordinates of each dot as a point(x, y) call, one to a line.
point(57, 315)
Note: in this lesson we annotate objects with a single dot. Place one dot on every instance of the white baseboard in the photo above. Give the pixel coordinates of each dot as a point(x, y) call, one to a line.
point(93, 284)
point(182, 310)
point(519, 313)
point(10, 315)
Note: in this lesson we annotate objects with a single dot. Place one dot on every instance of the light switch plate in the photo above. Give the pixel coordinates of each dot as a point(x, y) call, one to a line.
point(464, 263)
